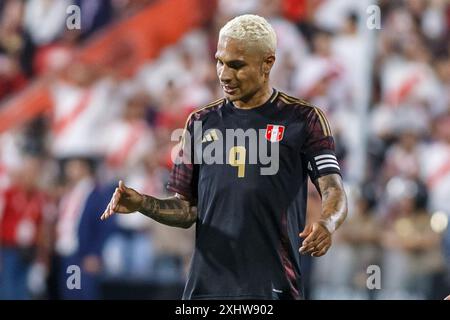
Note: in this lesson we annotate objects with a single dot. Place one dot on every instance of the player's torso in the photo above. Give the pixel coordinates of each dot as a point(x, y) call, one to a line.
point(250, 154)
point(250, 171)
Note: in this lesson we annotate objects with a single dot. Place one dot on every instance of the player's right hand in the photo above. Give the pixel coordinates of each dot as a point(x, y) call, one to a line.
point(124, 200)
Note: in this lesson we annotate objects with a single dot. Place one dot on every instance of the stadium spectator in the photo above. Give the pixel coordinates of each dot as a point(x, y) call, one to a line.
point(79, 236)
point(83, 104)
point(22, 215)
point(412, 253)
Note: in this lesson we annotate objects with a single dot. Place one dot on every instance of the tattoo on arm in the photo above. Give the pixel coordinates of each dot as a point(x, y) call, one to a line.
point(334, 201)
point(171, 211)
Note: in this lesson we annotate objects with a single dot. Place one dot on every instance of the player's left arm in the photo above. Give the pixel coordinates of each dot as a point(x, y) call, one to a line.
point(318, 236)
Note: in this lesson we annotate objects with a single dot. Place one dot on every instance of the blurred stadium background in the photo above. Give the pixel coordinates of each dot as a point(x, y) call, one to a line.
point(81, 108)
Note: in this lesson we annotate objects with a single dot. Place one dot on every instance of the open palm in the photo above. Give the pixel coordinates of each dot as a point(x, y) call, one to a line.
point(124, 200)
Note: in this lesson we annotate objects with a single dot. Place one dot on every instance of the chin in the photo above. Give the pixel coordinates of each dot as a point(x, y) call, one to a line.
point(232, 97)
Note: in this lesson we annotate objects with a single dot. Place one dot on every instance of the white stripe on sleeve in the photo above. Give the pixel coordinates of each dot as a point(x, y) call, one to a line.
point(328, 166)
point(323, 156)
point(327, 161)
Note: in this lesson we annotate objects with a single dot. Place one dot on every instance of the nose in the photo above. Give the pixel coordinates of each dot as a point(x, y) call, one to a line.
point(224, 73)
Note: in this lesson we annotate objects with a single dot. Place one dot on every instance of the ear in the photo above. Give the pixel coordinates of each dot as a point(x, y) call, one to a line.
point(268, 63)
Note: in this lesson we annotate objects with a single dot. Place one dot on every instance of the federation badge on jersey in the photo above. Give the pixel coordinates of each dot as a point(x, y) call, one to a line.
point(274, 133)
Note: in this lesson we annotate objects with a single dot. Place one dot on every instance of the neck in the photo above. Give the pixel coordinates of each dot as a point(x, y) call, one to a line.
point(258, 99)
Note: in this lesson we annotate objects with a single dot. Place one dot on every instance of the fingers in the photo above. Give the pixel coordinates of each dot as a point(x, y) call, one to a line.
point(121, 186)
point(317, 229)
point(321, 252)
point(309, 247)
point(308, 243)
point(306, 231)
point(321, 248)
point(311, 237)
point(317, 251)
point(115, 199)
point(315, 233)
point(113, 205)
point(107, 213)
point(103, 216)
point(315, 241)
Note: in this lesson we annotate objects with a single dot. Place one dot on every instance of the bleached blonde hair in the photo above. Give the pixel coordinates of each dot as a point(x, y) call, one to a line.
point(250, 27)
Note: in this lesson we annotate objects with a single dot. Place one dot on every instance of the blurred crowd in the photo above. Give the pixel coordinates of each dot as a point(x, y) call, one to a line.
point(58, 171)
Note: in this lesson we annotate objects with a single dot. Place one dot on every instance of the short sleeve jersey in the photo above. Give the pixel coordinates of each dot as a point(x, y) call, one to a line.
point(247, 171)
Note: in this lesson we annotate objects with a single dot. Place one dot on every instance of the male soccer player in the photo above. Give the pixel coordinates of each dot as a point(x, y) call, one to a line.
point(248, 221)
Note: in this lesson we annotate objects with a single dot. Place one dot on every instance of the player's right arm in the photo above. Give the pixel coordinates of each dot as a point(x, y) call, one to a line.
point(174, 211)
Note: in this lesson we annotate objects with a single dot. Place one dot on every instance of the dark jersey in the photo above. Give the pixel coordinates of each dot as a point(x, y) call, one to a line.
point(249, 219)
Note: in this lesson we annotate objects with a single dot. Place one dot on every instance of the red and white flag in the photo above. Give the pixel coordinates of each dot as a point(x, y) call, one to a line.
point(274, 133)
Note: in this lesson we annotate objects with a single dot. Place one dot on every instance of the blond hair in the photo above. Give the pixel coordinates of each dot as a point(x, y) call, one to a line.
point(250, 27)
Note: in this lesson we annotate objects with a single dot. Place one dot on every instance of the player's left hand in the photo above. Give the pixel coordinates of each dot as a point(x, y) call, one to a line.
point(317, 240)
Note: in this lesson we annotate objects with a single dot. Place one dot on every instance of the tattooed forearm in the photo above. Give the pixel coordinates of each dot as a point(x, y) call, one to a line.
point(334, 201)
point(172, 211)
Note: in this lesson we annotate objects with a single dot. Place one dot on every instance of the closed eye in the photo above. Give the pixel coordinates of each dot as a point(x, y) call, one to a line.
point(234, 64)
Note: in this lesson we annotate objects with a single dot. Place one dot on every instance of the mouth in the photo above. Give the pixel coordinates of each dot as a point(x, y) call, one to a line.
point(229, 89)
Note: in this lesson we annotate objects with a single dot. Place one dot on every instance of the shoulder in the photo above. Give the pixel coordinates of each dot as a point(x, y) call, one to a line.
point(301, 107)
point(306, 112)
point(204, 111)
point(288, 101)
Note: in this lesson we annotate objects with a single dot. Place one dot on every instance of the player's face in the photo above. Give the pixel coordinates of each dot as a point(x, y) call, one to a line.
point(243, 69)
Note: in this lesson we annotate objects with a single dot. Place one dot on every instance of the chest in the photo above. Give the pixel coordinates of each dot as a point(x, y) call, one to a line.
point(254, 145)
